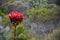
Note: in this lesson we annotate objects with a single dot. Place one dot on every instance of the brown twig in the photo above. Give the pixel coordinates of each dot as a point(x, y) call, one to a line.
point(15, 32)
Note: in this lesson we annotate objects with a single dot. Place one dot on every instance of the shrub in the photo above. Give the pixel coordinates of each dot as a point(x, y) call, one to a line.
point(40, 15)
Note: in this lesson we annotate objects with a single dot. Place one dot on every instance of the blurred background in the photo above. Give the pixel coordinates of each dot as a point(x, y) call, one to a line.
point(42, 20)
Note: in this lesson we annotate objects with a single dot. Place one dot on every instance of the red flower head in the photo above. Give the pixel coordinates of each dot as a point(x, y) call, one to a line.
point(16, 17)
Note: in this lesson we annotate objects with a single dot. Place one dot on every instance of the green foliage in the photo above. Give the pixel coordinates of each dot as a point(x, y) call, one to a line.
point(4, 10)
point(20, 29)
point(20, 32)
point(5, 21)
point(11, 38)
point(55, 35)
point(1, 13)
point(22, 37)
point(40, 15)
point(44, 14)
